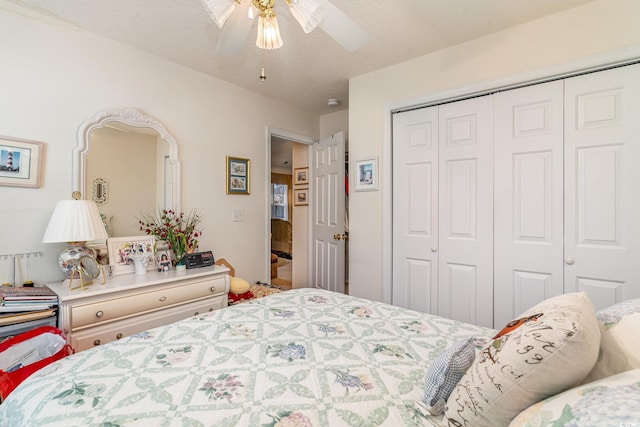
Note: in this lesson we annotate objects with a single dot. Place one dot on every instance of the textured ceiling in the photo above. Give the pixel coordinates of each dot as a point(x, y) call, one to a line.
point(310, 68)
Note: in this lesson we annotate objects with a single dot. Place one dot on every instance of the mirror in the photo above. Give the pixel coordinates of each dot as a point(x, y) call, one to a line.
point(128, 162)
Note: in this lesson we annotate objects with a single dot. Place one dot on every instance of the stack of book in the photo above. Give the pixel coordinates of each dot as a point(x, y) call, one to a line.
point(25, 304)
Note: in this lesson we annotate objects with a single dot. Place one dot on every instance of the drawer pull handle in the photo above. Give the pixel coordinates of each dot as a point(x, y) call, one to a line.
point(211, 309)
point(196, 313)
point(99, 313)
point(96, 342)
point(163, 299)
point(213, 289)
point(119, 336)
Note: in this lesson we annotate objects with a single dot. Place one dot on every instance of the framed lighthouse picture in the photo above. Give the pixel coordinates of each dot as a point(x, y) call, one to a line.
point(20, 162)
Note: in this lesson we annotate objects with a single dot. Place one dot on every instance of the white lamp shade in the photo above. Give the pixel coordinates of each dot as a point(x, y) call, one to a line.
point(308, 13)
point(75, 221)
point(268, 33)
point(220, 10)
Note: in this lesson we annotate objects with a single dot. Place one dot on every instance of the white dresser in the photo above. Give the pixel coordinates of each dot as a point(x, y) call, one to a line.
point(128, 304)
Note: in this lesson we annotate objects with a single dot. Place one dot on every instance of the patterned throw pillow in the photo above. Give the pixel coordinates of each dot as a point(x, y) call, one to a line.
point(612, 401)
point(445, 372)
point(620, 345)
point(551, 347)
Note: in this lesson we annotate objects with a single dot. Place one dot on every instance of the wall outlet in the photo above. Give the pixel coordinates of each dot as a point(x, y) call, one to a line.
point(237, 215)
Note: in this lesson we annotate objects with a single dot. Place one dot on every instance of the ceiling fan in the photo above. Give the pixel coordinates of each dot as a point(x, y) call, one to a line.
point(309, 14)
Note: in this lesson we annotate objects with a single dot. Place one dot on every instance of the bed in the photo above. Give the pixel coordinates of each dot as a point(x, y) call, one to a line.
point(310, 357)
point(319, 357)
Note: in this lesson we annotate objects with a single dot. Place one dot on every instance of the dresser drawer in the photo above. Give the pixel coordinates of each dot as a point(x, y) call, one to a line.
point(84, 315)
point(113, 331)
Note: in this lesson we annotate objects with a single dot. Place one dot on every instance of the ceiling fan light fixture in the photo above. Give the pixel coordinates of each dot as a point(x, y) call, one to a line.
point(268, 33)
point(308, 13)
point(220, 10)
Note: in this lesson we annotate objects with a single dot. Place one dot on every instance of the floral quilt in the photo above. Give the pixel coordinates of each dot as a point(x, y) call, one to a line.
point(304, 357)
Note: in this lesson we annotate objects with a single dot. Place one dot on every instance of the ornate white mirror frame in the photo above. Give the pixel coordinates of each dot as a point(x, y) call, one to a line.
point(131, 117)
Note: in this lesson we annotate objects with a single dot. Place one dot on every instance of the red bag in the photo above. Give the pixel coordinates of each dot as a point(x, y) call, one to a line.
point(24, 354)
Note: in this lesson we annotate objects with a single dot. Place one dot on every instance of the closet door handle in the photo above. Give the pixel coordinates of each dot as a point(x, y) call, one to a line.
point(434, 249)
point(569, 261)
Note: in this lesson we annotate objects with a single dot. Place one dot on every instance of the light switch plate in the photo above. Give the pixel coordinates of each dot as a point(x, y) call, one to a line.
point(237, 215)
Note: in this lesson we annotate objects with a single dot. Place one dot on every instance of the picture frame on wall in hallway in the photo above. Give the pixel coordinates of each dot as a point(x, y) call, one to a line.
point(238, 173)
point(367, 174)
point(20, 162)
point(301, 176)
point(301, 197)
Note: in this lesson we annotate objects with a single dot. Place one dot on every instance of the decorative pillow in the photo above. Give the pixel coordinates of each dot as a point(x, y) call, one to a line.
point(238, 286)
point(550, 348)
point(620, 344)
point(612, 401)
point(444, 373)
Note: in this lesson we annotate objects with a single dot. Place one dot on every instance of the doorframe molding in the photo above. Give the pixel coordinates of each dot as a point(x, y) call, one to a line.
point(270, 132)
point(565, 69)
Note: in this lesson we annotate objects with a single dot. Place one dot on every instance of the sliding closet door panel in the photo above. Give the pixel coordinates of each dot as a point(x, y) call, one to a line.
point(528, 151)
point(602, 173)
point(465, 262)
point(415, 212)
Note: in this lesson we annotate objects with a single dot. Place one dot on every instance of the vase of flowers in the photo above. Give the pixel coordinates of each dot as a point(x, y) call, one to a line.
point(179, 230)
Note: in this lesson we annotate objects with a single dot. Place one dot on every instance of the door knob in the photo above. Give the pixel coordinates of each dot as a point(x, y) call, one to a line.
point(569, 261)
point(434, 249)
point(337, 236)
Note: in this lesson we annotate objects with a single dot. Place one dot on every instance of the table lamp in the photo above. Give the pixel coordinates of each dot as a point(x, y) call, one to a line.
point(74, 222)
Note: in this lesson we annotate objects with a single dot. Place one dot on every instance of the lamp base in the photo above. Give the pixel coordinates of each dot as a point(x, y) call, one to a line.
point(68, 259)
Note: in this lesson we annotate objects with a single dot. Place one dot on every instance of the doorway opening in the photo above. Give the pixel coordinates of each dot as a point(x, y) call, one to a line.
point(281, 210)
point(287, 222)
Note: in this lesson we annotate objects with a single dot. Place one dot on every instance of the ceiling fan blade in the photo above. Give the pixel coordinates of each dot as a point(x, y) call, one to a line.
point(342, 28)
point(236, 30)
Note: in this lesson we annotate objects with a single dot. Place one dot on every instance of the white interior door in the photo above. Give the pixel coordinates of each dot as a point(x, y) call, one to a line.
point(328, 213)
point(465, 270)
point(415, 210)
point(528, 198)
point(602, 179)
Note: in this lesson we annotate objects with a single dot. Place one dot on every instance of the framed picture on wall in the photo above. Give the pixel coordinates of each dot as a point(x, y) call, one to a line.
point(238, 175)
point(120, 248)
point(301, 176)
point(20, 162)
point(301, 196)
point(367, 174)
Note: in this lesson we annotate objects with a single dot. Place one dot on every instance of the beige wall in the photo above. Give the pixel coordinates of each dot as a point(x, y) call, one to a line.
point(335, 122)
point(526, 50)
point(54, 77)
point(300, 226)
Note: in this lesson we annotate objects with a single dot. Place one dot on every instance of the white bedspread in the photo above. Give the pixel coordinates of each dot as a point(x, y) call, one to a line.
point(304, 357)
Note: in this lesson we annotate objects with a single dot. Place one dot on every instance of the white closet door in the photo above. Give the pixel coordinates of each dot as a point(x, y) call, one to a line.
point(415, 209)
point(465, 267)
point(602, 179)
point(528, 198)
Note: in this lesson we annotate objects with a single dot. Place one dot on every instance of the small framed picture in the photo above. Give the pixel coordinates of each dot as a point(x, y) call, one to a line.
point(163, 260)
point(120, 249)
point(301, 196)
point(301, 176)
point(367, 174)
point(20, 162)
point(238, 175)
